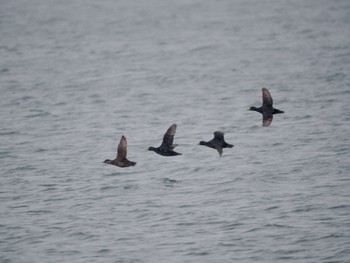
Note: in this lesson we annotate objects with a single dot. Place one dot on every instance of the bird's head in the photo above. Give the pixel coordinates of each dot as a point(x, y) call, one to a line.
point(151, 148)
point(252, 109)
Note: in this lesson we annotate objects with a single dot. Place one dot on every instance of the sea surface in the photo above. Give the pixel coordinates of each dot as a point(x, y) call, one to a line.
point(76, 75)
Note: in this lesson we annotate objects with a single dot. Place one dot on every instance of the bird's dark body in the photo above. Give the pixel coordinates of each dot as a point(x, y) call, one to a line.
point(164, 151)
point(218, 142)
point(120, 163)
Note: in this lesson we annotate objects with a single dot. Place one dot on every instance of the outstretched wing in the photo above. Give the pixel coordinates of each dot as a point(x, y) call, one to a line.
point(218, 142)
point(267, 99)
point(219, 135)
point(169, 136)
point(122, 148)
point(267, 118)
point(220, 151)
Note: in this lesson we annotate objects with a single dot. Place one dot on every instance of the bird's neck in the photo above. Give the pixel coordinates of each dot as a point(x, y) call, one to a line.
point(151, 149)
point(256, 109)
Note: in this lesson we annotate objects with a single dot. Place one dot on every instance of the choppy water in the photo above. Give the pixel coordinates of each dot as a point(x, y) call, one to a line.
point(76, 75)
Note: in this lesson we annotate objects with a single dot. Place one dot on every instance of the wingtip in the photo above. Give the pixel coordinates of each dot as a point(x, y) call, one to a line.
point(171, 130)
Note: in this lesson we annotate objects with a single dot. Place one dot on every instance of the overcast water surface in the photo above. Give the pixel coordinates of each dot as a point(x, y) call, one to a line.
point(77, 75)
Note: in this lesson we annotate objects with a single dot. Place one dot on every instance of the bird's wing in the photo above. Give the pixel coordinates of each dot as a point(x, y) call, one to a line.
point(267, 118)
point(174, 145)
point(267, 99)
point(169, 136)
point(219, 135)
point(122, 148)
point(220, 151)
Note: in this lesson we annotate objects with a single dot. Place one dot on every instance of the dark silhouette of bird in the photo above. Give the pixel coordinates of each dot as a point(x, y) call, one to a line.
point(218, 142)
point(167, 146)
point(267, 110)
point(121, 160)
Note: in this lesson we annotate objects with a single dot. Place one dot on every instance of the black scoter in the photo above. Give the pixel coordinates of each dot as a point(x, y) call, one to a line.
point(218, 142)
point(167, 146)
point(267, 110)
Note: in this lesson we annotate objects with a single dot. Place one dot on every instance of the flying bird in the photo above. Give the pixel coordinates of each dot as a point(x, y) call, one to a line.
point(167, 146)
point(267, 110)
point(218, 142)
point(121, 160)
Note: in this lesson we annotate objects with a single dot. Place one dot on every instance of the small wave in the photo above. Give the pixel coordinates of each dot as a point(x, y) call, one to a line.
point(104, 251)
point(169, 182)
point(39, 212)
point(333, 236)
point(47, 185)
point(39, 150)
point(277, 144)
point(113, 174)
point(126, 187)
point(49, 200)
point(49, 189)
point(106, 188)
point(70, 252)
point(19, 206)
point(81, 235)
point(342, 207)
point(7, 133)
point(202, 253)
point(21, 168)
point(271, 208)
point(336, 76)
point(304, 209)
point(186, 224)
point(232, 226)
point(4, 155)
point(227, 244)
point(254, 229)
point(4, 70)
point(38, 113)
point(277, 226)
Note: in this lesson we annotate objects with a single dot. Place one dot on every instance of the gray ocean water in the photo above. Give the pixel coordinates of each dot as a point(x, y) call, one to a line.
point(77, 75)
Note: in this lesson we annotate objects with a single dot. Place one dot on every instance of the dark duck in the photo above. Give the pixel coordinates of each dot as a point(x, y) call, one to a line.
point(167, 146)
point(218, 142)
point(121, 160)
point(267, 110)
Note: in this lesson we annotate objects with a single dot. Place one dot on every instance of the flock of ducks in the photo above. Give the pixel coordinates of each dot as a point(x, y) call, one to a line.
point(218, 142)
